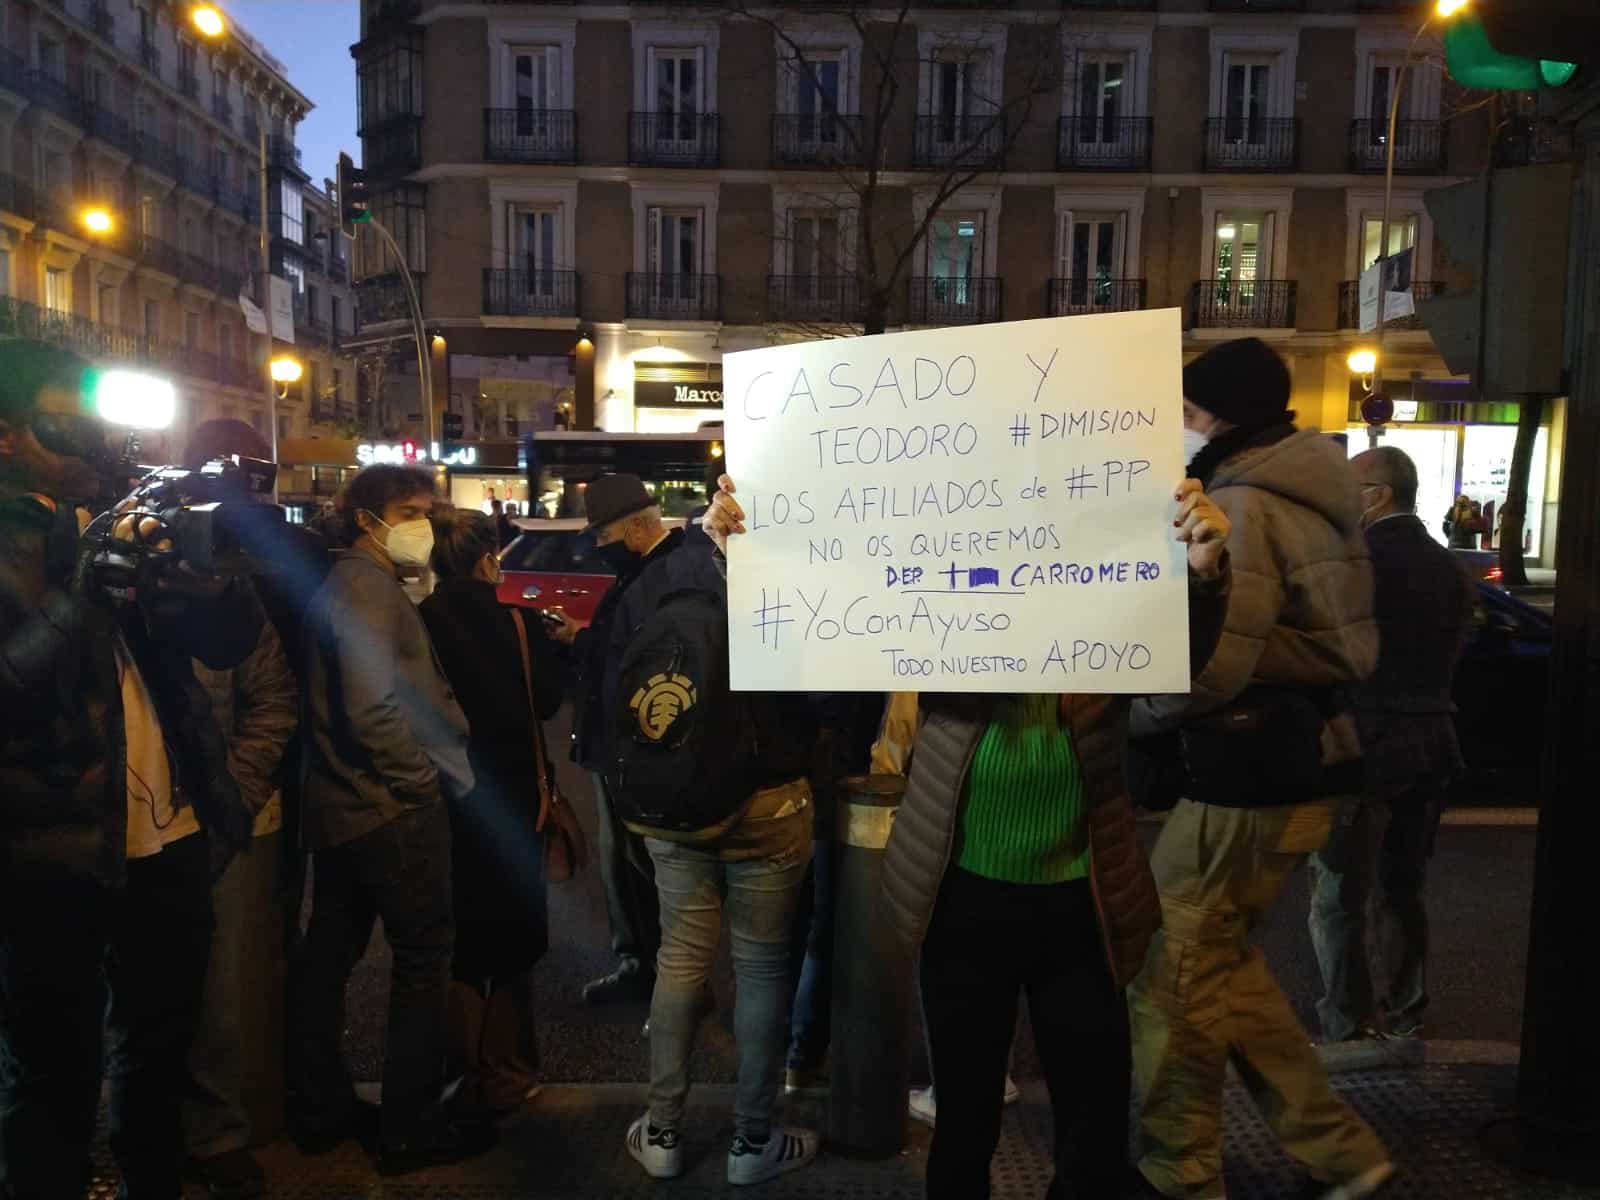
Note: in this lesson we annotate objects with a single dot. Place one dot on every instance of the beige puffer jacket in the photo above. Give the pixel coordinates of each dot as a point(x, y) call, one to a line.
point(1301, 612)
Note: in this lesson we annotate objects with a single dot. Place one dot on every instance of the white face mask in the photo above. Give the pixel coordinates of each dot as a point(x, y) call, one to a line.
point(410, 542)
point(1193, 442)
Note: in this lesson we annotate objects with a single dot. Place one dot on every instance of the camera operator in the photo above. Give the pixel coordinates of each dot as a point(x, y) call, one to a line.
point(116, 807)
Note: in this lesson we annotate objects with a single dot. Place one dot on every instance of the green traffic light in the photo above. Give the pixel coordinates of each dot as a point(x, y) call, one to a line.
point(1475, 63)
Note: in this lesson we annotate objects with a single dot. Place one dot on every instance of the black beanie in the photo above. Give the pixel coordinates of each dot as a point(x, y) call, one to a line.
point(1243, 382)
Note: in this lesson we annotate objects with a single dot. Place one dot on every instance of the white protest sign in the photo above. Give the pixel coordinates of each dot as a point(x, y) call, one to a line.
point(965, 510)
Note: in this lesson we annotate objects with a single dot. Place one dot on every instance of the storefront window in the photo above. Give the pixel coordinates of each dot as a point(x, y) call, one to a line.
point(1434, 451)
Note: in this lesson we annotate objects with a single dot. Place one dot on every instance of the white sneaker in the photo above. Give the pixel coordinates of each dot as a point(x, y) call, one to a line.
point(658, 1151)
point(1369, 1183)
point(924, 1104)
point(786, 1150)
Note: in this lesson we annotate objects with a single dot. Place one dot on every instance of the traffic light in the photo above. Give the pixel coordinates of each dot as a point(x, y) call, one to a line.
point(1475, 62)
point(1512, 230)
point(354, 201)
point(452, 426)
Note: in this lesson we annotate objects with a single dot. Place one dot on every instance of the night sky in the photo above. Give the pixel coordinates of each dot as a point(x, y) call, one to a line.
point(313, 38)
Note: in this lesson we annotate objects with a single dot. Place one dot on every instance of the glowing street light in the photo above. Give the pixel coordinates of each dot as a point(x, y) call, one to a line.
point(286, 370)
point(1449, 8)
point(96, 220)
point(1362, 362)
point(208, 19)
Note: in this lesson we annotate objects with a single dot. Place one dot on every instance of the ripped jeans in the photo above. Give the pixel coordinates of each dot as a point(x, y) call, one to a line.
point(755, 871)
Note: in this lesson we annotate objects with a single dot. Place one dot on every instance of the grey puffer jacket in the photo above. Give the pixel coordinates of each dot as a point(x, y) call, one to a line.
point(1302, 610)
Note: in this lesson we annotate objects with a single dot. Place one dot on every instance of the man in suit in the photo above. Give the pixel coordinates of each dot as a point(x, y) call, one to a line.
point(1424, 612)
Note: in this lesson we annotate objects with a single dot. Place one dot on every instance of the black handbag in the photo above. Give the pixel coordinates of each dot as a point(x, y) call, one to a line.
point(1263, 748)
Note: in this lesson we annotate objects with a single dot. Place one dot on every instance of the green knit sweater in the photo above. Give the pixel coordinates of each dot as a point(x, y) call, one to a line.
point(1022, 820)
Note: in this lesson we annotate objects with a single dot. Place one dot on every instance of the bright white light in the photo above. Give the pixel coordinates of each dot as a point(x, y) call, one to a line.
point(1362, 362)
point(208, 21)
point(136, 400)
point(286, 370)
point(1449, 8)
point(1226, 232)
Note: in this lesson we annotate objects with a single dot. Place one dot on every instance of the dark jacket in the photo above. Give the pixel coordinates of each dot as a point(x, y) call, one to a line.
point(63, 751)
point(590, 729)
point(1424, 604)
point(497, 856)
point(923, 838)
point(383, 730)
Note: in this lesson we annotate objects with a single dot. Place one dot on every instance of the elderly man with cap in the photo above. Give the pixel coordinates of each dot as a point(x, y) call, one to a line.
point(1267, 737)
point(629, 533)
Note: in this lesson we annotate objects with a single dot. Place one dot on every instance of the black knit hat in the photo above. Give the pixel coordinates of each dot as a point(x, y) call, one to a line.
point(1243, 382)
point(612, 497)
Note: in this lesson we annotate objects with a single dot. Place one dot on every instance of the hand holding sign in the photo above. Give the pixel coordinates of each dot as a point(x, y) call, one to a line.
point(1202, 526)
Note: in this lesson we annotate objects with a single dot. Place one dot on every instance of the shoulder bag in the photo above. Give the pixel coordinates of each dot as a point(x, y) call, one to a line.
point(566, 852)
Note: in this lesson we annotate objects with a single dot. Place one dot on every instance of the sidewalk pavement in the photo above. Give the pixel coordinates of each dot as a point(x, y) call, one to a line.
point(1428, 1101)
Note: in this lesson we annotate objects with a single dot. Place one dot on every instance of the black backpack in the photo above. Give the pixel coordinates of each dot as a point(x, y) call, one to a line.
point(685, 750)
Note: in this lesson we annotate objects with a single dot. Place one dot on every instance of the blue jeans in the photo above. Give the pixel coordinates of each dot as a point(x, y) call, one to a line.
point(761, 892)
point(811, 1025)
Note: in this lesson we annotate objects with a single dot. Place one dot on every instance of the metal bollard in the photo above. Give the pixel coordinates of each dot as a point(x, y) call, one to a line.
point(873, 977)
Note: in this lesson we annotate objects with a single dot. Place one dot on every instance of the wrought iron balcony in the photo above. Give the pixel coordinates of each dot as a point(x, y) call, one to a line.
point(111, 128)
point(233, 199)
point(530, 293)
point(1098, 144)
point(382, 299)
point(159, 255)
point(955, 300)
point(674, 297)
point(674, 139)
point(814, 299)
point(102, 22)
point(281, 152)
point(55, 95)
point(13, 71)
point(197, 177)
point(200, 272)
point(229, 283)
point(964, 142)
point(222, 110)
point(1260, 144)
point(1350, 304)
point(188, 82)
point(1074, 297)
point(150, 55)
point(1242, 304)
point(1418, 147)
point(816, 139)
point(306, 318)
point(152, 152)
point(17, 197)
point(530, 135)
point(393, 146)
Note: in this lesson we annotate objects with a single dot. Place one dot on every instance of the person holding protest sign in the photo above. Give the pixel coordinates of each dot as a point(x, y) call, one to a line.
point(1017, 818)
point(1266, 739)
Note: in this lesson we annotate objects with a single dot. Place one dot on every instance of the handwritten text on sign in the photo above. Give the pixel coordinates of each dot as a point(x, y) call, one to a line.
point(963, 510)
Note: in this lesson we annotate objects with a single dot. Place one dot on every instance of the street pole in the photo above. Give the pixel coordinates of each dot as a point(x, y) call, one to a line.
point(266, 295)
point(424, 371)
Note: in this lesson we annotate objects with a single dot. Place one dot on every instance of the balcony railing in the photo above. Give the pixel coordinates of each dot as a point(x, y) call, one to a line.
point(1099, 144)
point(229, 283)
point(1526, 141)
point(955, 300)
point(92, 340)
point(306, 318)
point(102, 22)
point(964, 142)
point(222, 110)
point(816, 139)
point(111, 128)
point(160, 256)
point(54, 95)
point(1350, 304)
point(13, 71)
point(1418, 146)
point(383, 298)
point(674, 297)
point(188, 82)
point(281, 152)
point(530, 293)
point(200, 272)
point(17, 197)
point(1255, 144)
point(530, 135)
point(157, 155)
point(674, 139)
point(393, 146)
point(338, 268)
point(197, 177)
point(1242, 304)
point(814, 299)
point(150, 56)
point(233, 199)
point(1074, 297)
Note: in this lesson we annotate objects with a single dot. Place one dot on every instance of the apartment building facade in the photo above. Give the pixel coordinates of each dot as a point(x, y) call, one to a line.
point(116, 105)
point(674, 181)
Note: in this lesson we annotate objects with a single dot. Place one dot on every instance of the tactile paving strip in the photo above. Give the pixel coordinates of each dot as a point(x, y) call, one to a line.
point(568, 1146)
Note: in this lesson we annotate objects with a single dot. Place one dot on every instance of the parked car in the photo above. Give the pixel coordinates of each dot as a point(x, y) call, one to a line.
point(1502, 691)
point(555, 564)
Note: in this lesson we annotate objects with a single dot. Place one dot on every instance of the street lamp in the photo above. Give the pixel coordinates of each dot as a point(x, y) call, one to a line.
point(284, 371)
point(1362, 363)
point(209, 22)
point(96, 220)
point(1441, 10)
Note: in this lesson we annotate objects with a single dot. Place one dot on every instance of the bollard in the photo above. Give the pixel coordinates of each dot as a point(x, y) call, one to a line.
point(873, 977)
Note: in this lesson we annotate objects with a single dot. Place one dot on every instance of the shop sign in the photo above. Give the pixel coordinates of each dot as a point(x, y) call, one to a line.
point(368, 453)
point(656, 393)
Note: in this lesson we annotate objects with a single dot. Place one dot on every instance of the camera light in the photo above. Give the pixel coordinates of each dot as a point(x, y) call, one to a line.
point(135, 399)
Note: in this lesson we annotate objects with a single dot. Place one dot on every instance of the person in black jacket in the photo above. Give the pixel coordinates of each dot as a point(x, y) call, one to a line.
point(497, 853)
point(1423, 604)
point(116, 811)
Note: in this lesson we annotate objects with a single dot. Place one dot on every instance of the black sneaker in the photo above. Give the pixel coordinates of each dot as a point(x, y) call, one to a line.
point(448, 1143)
point(231, 1175)
point(630, 983)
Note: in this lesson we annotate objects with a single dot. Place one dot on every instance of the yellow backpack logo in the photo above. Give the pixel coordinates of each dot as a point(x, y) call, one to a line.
point(660, 702)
